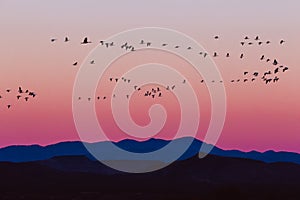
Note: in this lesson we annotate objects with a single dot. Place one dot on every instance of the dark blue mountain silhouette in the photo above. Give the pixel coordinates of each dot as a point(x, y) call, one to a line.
point(36, 152)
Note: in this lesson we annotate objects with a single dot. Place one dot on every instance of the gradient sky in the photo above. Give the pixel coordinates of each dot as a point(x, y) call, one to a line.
point(259, 117)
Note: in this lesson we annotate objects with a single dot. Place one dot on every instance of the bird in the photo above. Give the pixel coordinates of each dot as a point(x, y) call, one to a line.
point(26, 98)
point(253, 79)
point(284, 69)
point(173, 87)
point(32, 94)
point(268, 59)
point(255, 73)
point(8, 106)
point(19, 96)
point(116, 79)
point(75, 63)
point(242, 43)
point(67, 39)
point(245, 73)
point(281, 41)
point(268, 80)
point(85, 41)
point(8, 90)
point(256, 38)
point(98, 97)
point(159, 95)
point(142, 42)
point(250, 43)
point(268, 42)
point(238, 80)
point(216, 37)
point(189, 48)
point(110, 79)
point(127, 96)
point(148, 44)
point(227, 55)
point(276, 70)
point(183, 81)
point(262, 57)
point(275, 79)
point(241, 56)
point(215, 54)
point(266, 73)
point(101, 42)
point(89, 98)
point(260, 42)
point(164, 45)
point(232, 81)
point(246, 38)
point(245, 79)
point(202, 81)
point(20, 90)
point(176, 47)
point(92, 62)
point(205, 54)
point(275, 62)
point(53, 39)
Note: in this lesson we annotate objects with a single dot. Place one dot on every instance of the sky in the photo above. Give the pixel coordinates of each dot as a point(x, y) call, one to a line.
point(259, 117)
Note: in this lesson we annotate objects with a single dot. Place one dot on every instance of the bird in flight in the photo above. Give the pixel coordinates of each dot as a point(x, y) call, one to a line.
point(281, 41)
point(8, 90)
point(67, 39)
point(8, 106)
point(75, 63)
point(85, 41)
point(241, 56)
point(275, 62)
point(285, 69)
point(216, 37)
point(53, 39)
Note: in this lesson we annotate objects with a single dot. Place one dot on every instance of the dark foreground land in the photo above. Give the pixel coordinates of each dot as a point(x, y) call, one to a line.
point(214, 177)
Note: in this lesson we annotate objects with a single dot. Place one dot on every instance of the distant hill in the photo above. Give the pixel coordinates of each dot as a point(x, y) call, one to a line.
point(36, 152)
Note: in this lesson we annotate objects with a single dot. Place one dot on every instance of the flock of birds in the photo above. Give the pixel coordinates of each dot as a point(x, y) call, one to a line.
point(21, 94)
point(269, 76)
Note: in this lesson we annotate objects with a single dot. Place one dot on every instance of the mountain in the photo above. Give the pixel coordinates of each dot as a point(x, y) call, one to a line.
point(36, 152)
point(213, 177)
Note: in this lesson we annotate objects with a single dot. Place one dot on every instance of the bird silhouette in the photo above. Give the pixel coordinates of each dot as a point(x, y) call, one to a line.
point(85, 41)
point(262, 57)
point(275, 62)
point(246, 38)
point(53, 39)
point(276, 70)
point(250, 43)
point(148, 44)
point(75, 63)
point(20, 90)
point(260, 43)
point(8, 106)
point(242, 43)
point(67, 39)
point(164, 45)
point(255, 73)
point(92, 62)
point(245, 73)
point(215, 54)
point(216, 37)
point(159, 95)
point(268, 42)
point(189, 48)
point(241, 56)
point(8, 90)
point(142, 42)
point(19, 96)
point(268, 80)
point(256, 38)
point(32, 94)
point(26, 98)
point(275, 79)
point(285, 69)
point(176, 47)
point(281, 41)
point(227, 55)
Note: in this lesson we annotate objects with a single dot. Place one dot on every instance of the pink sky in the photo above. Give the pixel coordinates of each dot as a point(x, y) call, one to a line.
point(259, 117)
